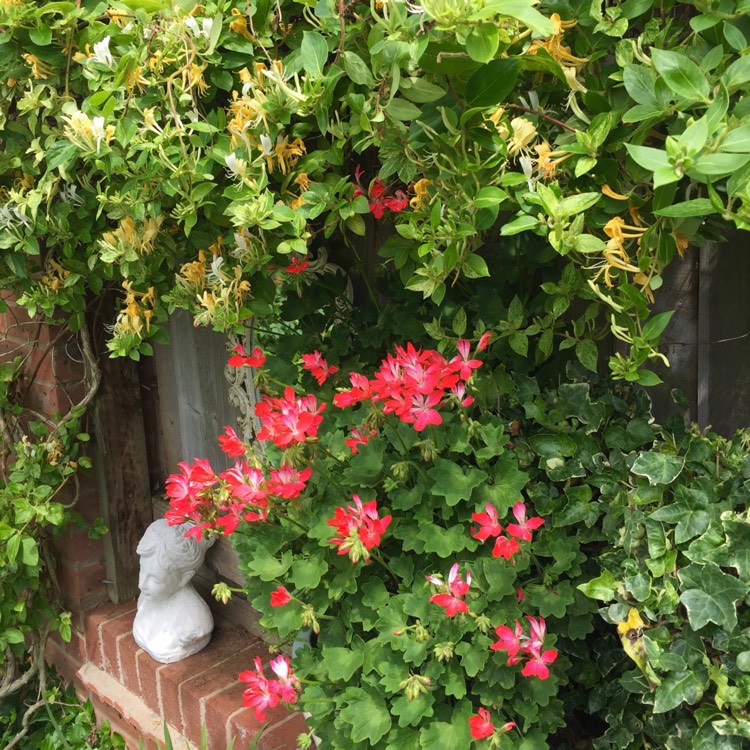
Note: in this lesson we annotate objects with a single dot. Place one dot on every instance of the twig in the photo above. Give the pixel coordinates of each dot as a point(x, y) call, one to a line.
point(342, 33)
point(541, 114)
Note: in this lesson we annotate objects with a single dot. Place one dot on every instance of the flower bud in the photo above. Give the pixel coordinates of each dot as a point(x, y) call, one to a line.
point(443, 651)
point(483, 623)
point(304, 741)
point(421, 634)
point(414, 686)
point(221, 593)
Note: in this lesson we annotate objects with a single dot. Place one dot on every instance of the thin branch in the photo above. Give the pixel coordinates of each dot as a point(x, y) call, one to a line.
point(541, 114)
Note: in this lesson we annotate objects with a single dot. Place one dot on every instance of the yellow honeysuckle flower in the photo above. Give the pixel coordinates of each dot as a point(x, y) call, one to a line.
point(39, 69)
point(421, 193)
point(682, 241)
point(545, 163)
point(120, 17)
point(303, 181)
point(135, 78)
point(496, 118)
point(554, 44)
point(193, 76)
point(615, 227)
point(607, 190)
point(238, 25)
point(298, 202)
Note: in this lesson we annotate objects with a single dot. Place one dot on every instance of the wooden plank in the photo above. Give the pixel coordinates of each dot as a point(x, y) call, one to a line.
point(193, 402)
point(122, 473)
point(726, 342)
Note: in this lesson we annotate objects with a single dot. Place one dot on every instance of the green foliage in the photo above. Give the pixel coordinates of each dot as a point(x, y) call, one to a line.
point(187, 155)
point(38, 490)
point(62, 724)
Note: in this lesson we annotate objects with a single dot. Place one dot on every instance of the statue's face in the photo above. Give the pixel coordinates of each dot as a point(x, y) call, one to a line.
point(157, 583)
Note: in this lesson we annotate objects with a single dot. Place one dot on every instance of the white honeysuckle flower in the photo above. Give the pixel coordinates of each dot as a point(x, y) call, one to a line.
point(266, 144)
point(235, 165)
point(68, 194)
point(12, 217)
point(192, 24)
point(208, 25)
point(98, 131)
point(149, 121)
point(528, 169)
point(102, 54)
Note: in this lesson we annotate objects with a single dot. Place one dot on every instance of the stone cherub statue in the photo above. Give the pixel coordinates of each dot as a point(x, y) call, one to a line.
point(172, 621)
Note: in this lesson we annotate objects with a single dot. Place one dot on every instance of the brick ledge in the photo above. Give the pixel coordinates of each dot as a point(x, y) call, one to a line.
point(129, 706)
point(137, 694)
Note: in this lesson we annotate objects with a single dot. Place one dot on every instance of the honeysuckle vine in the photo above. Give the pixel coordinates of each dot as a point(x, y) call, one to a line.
point(186, 155)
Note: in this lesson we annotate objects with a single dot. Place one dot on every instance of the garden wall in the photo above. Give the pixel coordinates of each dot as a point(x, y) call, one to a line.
point(128, 689)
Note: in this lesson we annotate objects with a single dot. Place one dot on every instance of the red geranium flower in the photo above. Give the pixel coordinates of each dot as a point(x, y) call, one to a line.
point(480, 724)
point(242, 359)
point(280, 596)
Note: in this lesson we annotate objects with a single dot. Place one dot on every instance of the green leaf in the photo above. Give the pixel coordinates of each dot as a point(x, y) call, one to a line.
point(523, 11)
point(444, 542)
point(656, 325)
point(574, 204)
point(714, 165)
point(342, 663)
point(400, 109)
point(489, 196)
point(269, 568)
point(367, 714)
point(357, 69)
point(60, 152)
point(737, 74)
point(658, 468)
point(454, 483)
point(695, 207)
point(482, 42)
point(640, 82)
point(602, 587)
point(440, 735)
point(649, 158)
point(588, 354)
point(411, 712)
point(737, 141)
point(710, 595)
point(474, 267)
point(473, 657)
point(313, 52)
point(41, 35)
point(677, 688)
point(681, 74)
point(307, 572)
point(492, 83)
point(552, 445)
point(520, 224)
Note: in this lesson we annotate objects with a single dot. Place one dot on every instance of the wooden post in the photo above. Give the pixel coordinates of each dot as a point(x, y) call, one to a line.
point(122, 473)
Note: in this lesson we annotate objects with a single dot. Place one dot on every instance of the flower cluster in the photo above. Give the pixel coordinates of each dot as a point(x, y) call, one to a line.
point(505, 546)
point(360, 436)
point(518, 646)
point(413, 383)
point(241, 358)
point(359, 529)
point(482, 727)
point(318, 367)
point(288, 420)
point(451, 596)
point(219, 502)
point(378, 200)
point(262, 693)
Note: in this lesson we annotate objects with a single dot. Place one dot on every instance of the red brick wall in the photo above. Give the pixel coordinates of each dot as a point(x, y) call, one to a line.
point(129, 689)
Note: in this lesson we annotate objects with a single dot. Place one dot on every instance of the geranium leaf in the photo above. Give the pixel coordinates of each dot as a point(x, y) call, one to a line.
point(341, 663)
point(454, 483)
point(367, 714)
